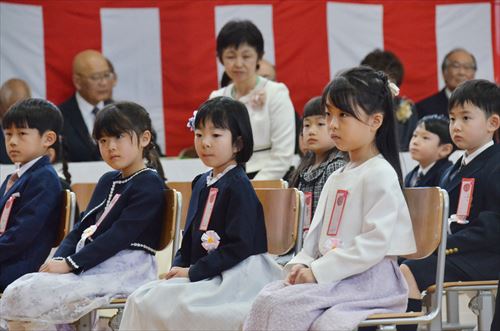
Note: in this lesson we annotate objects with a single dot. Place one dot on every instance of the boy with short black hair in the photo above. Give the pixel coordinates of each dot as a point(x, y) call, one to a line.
point(473, 185)
point(430, 145)
point(30, 198)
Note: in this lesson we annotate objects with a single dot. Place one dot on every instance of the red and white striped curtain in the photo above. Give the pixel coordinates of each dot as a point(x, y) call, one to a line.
point(165, 58)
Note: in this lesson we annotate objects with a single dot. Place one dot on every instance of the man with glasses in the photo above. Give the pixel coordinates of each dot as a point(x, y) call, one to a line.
point(93, 79)
point(458, 66)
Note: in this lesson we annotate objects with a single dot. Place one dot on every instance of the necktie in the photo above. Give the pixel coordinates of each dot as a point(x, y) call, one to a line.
point(11, 181)
point(419, 178)
point(94, 111)
point(462, 165)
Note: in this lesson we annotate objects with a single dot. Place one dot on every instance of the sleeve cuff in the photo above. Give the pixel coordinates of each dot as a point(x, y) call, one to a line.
point(72, 263)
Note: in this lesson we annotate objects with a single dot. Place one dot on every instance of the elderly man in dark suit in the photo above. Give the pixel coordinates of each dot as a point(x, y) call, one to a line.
point(11, 91)
point(93, 80)
point(458, 66)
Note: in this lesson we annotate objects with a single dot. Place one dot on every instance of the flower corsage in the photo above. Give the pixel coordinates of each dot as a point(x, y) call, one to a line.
point(258, 98)
point(332, 243)
point(210, 240)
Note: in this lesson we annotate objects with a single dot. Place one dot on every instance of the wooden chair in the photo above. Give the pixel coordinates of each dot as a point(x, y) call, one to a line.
point(173, 202)
point(83, 193)
point(272, 183)
point(429, 214)
point(68, 209)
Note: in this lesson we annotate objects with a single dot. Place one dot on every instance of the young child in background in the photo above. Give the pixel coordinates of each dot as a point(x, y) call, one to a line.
point(347, 269)
point(222, 263)
point(30, 198)
point(322, 157)
point(111, 251)
point(473, 185)
point(430, 146)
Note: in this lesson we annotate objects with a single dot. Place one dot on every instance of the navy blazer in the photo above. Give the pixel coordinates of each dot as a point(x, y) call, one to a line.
point(476, 244)
point(134, 222)
point(33, 221)
point(238, 219)
point(78, 143)
point(432, 177)
point(435, 104)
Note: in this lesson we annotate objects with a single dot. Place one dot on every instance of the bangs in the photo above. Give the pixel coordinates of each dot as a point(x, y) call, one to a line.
point(314, 108)
point(111, 122)
point(217, 116)
point(341, 94)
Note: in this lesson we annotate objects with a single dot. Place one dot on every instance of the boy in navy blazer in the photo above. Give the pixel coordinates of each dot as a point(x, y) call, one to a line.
point(430, 145)
point(473, 185)
point(30, 197)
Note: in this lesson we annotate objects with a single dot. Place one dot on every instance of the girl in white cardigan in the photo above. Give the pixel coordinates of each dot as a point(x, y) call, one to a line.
point(347, 269)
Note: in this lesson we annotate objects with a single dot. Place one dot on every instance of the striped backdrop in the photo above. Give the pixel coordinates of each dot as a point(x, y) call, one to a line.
point(164, 51)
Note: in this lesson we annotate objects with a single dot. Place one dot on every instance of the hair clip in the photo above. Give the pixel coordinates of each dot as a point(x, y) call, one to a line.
point(394, 88)
point(190, 122)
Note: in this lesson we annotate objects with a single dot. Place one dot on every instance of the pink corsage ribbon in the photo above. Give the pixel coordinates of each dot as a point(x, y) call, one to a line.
point(331, 244)
point(210, 240)
point(258, 99)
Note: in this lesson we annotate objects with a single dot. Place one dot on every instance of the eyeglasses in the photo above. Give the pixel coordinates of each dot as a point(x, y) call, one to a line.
point(465, 66)
point(96, 78)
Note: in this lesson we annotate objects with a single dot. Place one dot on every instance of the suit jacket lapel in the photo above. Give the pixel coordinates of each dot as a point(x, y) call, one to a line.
point(78, 122)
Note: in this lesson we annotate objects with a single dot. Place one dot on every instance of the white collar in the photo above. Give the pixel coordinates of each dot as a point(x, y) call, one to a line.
point(468, 158)
point(426, 169)
point(447, 91)
point(21, 169)
point(85, 106)
point(212, 180)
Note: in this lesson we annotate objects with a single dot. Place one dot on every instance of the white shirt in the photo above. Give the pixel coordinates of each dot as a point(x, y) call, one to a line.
point(468, 158)
point(212, 180)
point(375, 223)
point(86, 110)
point(22, 169)
point(426, 169)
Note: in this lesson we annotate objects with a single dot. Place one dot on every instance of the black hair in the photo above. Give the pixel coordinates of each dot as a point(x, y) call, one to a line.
point(225, 80)
point(128, 117)
point(387, 62)
point(369, 90)
point(446, 61)
point(42, 115)
point(313, 108)
point(481, 93)
point(439, 125)
point(230, 114)
point(235, 33)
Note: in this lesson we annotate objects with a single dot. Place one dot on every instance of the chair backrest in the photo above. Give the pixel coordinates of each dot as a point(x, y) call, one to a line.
point(68, 208)
point(426, 211)
point(281, 214)
point(271, 183)
point(172, 216)
point(83, 193)
point(185, 189)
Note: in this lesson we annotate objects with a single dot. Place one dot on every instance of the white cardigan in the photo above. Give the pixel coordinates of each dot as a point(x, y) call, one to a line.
point(273, 127)
point(375, 223)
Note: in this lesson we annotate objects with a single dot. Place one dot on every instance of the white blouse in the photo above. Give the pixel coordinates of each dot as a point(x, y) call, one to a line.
point(273, 126)
point(361, 217)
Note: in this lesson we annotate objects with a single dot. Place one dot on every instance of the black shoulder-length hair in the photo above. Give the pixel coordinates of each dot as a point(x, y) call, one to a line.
point(230, 114)
point(369, 90)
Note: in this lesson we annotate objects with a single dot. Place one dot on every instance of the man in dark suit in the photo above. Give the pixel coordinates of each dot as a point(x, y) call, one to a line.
point(458, 66)
point(93, 80)
point(11, 91)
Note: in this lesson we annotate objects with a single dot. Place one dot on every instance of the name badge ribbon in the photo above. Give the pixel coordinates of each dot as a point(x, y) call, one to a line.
point(4, 219)
point(209, 207)
point(308, 210)
point(338, 210)
point(464, 203)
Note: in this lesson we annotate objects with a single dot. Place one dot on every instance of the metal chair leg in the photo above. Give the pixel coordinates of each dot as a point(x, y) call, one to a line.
point(483, 305)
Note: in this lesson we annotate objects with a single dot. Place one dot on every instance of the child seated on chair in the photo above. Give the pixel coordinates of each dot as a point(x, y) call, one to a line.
point(222, 263)
point(322, 157)
point(30, 198)
point(347, 269)
point(473, 185)
point(430, 145)
point(111, 251)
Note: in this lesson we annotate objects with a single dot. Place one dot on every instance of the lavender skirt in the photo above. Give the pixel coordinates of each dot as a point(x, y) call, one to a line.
point(333, 306)
point(45, 299)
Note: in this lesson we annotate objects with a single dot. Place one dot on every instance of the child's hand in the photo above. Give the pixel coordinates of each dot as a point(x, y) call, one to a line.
point(292, 276)
point(176, 272)
point(304, 276)
point(55, 267)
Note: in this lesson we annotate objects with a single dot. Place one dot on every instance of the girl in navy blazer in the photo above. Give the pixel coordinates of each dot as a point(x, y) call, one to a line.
point(222, 263)
point(111, 251)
